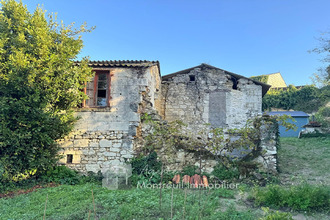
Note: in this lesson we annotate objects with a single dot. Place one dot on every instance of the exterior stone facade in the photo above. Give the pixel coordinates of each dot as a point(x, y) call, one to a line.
point(104, 135)
point(206, 94)
point(110, 125)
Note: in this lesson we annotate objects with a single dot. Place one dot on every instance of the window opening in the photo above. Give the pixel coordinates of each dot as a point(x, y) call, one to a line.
point(69, 158)
point(102, 89)
point(192, 78)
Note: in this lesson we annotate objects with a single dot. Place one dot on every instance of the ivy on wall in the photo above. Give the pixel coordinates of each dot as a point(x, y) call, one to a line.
point(262, 78)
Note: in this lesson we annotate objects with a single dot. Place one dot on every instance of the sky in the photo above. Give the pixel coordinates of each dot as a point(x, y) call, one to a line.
point(247, 37)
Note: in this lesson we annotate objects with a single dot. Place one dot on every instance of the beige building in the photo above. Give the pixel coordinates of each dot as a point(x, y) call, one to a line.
point(274, 79)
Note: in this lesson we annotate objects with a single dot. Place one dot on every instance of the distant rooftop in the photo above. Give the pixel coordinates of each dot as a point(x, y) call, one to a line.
point(290, 113)
point(274, 79)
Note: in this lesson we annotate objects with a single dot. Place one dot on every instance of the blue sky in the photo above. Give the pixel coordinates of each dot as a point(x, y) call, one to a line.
point(247, 37)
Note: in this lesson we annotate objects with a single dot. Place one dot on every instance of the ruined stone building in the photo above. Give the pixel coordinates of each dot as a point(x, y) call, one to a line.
point(121, 91)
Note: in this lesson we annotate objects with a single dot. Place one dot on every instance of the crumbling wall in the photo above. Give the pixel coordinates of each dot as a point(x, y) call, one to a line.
point(207, 95)
point(269, 141)
point(104, 136)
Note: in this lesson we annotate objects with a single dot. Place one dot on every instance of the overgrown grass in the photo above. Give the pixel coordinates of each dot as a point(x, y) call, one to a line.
point(304, 197)
point(75, 202)
point(57, 175)
point(306, 159)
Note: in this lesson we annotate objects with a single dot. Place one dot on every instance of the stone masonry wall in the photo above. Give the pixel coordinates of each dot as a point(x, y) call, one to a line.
point(210, 98)
point(104, 137)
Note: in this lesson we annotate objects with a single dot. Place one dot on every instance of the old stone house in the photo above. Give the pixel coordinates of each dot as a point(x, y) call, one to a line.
point(121, 91)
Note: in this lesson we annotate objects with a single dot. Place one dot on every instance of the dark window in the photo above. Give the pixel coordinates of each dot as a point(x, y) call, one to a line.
point(69, 158)
point(102, 86)
point(192, 78)
point(234, 83)
point(98, 90)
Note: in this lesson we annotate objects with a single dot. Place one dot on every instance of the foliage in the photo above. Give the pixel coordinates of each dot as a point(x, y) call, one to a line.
point(57, 175)
point(167, 138)
point(261, 78)
point(189, 170)
point(323, 78)
point(303, 197)
point(147, 169)
point(62, 175)
point(272, 215)
point(149, 162)
point(39, 86)
point(224, 173)
point(75, 202)
point(323, 116)
point(307, 98)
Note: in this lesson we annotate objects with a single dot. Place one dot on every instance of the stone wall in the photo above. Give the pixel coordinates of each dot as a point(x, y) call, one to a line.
point(265, 152)
point(109, 136)
point(205, 95)
point(269, 141)
point(104, 136)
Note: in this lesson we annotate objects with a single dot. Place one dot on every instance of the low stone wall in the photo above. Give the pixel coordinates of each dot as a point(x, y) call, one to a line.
point(265, 155)
point(269, 141)
point(96, 151)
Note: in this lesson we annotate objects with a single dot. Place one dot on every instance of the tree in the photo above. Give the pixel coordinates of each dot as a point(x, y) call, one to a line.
point(39, 86)
point(323, 77)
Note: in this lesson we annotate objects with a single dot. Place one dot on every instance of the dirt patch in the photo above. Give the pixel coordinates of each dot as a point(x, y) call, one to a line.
point(12, 194)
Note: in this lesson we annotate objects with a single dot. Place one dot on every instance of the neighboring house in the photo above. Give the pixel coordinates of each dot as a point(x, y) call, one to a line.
point(301, 119)
point(274, 79)
point(121, 91)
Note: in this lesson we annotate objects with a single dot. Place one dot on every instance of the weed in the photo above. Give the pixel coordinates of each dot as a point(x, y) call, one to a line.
point(303, 197)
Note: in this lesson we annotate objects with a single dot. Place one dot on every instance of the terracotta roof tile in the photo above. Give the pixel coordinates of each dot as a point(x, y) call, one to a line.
point(121, 63)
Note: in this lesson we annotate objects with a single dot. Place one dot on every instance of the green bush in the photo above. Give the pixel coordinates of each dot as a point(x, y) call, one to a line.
point(271, 215)
point(224, 173)
point(189, 170)
point(143, 163)
point(65, 175)
point(302, 198)
point(61, 175)
point(147, 169)
point(307, 99)
point(58, 174)
point(323, 116)
point(91, 177)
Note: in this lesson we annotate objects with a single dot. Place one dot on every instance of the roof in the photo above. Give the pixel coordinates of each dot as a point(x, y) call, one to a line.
point(265, 86)
point(291, 113)
point(274, 79)
point(121, 63)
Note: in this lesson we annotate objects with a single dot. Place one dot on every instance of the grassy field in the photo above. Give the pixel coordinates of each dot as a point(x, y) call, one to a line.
point(76, 202)
point(301, 160)
point(306, 159)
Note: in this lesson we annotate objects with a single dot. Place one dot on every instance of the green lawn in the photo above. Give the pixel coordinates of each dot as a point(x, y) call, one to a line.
point(75, 202)
point(306, 159)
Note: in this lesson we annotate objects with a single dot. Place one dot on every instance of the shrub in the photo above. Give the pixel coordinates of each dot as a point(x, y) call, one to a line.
point(62, 175)
point(147, 169)
point(271, 215)
point(189, 170)
point(323, 116)
point(304, 197)
point(143, 163)
point(224, 173)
